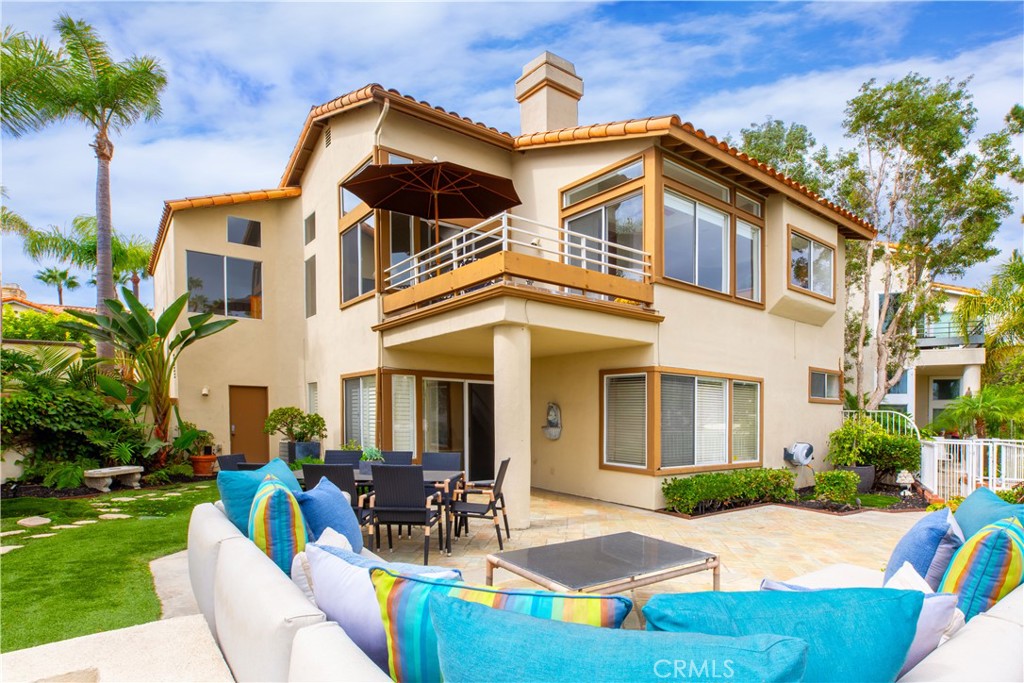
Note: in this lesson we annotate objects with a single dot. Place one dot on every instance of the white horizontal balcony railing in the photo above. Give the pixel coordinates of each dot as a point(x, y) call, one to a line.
point(507, 247)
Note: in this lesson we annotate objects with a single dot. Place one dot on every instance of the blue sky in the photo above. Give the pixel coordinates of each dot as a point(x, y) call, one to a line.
point(243, 75)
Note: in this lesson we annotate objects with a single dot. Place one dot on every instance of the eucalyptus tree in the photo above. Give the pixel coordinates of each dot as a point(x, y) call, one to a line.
point(80, 81)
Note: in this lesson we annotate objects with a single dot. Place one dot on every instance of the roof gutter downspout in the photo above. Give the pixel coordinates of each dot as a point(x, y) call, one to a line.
point(380, 122)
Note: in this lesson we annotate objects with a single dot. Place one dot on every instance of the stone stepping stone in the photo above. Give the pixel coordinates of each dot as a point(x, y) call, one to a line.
point(65, 526)
point(40, 535)
point(112, 510)
point(84, 521)
point(203, 486)
point(34, 521)
point(114, 516)
point(4, 549)
point(172, 494)
point(123, 499)
point(12, 533)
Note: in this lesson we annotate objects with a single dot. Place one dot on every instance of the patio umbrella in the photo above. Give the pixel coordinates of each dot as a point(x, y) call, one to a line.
point(438, 189)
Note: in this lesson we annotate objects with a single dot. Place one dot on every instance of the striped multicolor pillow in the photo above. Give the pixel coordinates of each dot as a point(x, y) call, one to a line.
point(276, 525)
point(412, 642)
point(987, 567)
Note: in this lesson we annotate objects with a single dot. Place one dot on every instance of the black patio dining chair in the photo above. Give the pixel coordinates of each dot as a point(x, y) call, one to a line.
point(343, 477)
point(250, 465)
point(229, 463)
point(398, 498)
point(397, 457)
point(350, 458)
point(449, 462)
point(462, 510)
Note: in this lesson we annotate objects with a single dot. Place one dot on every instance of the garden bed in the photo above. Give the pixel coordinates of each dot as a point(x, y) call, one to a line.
point(14, 489)
point(882, 498)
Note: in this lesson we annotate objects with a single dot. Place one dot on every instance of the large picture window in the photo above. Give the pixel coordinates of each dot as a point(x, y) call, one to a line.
point(701, 421)
point(224, 285)
point(357, 261)
point(244, 231)
point(711, 234)
point(347, 200)
point(811, 265)
point(604, 182)
point(361, 410)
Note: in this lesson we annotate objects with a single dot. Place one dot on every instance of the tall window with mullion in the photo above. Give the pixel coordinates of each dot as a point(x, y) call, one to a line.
point(697, 243)
point(361, 410)
point(403, 412)
point(224, 285)
point(811, 265)
point(357, 259)
point(746, 421)
point(625, 420)
point(610, 238)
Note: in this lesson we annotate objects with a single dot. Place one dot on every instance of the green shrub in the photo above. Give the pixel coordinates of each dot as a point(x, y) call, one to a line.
point(295, 425)
point(836, 486)
point(308, 460)
point(715, 490)
point(45, 327)
point(165, 475)
point(1014, 495)
point(953, 502)
point(855, 441)
point(893, 453)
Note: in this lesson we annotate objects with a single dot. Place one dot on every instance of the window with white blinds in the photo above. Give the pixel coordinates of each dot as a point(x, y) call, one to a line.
point(677, 419)
point(625, 420)
point(746, 408)
point(361, 410)
point(312, 398)
point(711, 417)
point(403, 412)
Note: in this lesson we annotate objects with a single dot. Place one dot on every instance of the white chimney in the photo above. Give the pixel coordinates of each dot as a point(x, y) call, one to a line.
point(548, 93)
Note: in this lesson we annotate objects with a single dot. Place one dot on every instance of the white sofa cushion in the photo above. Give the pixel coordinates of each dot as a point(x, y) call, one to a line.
point(1010, 608)
point(208, 528)
point(840, 576)
point(322, 652)
point(986, 649)
point(258, 611)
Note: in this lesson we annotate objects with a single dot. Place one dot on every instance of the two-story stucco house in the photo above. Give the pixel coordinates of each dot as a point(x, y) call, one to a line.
point(680, 303)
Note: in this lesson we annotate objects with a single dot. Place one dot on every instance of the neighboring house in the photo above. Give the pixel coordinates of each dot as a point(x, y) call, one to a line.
point(679, 302)
point(15, 297)
point(948, 364)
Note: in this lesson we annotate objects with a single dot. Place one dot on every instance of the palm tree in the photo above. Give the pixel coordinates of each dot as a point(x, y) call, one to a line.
point(60, 278)
point(988, 410)
point(78, 247)
point(81, 82)
point(1001, 306)
point(11, 222)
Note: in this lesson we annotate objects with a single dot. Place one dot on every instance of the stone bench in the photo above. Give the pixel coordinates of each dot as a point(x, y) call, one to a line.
point(128, 475)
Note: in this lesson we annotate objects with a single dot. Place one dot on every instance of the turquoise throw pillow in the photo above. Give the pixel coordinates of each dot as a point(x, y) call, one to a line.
point(982, 508)
point(326, 506)
point(237, 489)
point(477, 643)
point(853, 634)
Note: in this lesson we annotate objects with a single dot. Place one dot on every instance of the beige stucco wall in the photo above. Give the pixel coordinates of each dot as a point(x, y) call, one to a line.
point(266, 352)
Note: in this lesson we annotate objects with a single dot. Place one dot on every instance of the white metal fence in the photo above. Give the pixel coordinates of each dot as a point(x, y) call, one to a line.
point(955, 467)
point(892, 421)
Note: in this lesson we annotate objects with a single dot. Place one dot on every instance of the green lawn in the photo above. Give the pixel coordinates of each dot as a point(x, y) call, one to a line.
point(95, 578)
point(877, 500)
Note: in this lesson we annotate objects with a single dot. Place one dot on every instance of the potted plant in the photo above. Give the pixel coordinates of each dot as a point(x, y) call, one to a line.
point(302, 432)
point(852, 446)
point(370, 455)
point(201, 452)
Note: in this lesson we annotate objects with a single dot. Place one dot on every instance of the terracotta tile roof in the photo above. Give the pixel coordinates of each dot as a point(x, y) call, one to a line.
point(47, 308)
point(375, 92)
point(173, 205)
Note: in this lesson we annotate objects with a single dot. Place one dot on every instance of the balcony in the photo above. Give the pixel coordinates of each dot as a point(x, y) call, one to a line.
point(945, 333)
point(508, 250)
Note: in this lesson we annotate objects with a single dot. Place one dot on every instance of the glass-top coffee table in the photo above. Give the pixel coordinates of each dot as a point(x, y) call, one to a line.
point(606, 564)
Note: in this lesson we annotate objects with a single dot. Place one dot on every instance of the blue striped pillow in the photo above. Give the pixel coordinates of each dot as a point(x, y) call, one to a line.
point(276, 525)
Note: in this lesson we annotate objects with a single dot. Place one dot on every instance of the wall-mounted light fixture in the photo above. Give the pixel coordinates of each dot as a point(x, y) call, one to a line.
point(206, 391)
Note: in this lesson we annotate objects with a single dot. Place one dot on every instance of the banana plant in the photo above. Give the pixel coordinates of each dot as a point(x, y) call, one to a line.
point(151, 347)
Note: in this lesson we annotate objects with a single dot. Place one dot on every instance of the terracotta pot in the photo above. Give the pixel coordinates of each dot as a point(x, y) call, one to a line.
point(202, 465)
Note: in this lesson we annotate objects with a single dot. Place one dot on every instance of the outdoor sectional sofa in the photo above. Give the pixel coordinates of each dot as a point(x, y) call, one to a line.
point(268, 629)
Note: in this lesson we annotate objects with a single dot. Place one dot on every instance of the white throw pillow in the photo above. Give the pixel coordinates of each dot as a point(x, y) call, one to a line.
point(301, 572)
point(906, 578)
point(939, 618)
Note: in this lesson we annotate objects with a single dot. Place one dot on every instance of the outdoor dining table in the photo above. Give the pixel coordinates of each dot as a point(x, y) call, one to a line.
point(429, 476)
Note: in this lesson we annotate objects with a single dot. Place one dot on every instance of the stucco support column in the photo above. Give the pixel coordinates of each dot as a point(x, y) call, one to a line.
point(512, 418)
point(971, 380)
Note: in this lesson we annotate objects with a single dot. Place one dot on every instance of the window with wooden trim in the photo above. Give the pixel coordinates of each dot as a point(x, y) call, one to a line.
point(825, 386)
point(625, 420)
point(357, 259)
point(604, 182)
point(360, 399)
point(347, 200)
point(594, 234)
point(711, 234)
point(403, 412)
point(224, 285)
point(811, 265)
point(243, 231)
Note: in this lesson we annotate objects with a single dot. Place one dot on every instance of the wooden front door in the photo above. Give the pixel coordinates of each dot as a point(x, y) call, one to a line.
point(248, 411)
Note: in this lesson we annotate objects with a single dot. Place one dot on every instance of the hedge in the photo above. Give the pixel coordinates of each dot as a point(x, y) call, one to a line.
point(712, 491)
